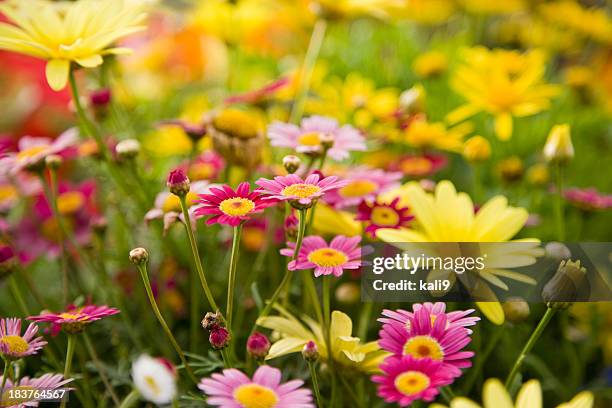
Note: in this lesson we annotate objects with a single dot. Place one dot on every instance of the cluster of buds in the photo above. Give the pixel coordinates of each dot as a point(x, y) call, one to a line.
point(258, 346)
point(219, 336)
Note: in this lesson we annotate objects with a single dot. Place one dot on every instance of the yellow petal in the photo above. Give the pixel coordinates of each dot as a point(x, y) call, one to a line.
point(91, 61)
point(503, 126)
point(285, 346)
point(530, 395)
point(463, 402)
point(341, 325)
point(582, 400)
point(57, 74)
point(495, 395)
point(493, 311)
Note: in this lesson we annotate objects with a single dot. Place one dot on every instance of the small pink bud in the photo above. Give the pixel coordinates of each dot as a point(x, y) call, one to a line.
point(258, 345)
point(178, 182)
point(100, 97)
point(310, 352)
point(219, 338)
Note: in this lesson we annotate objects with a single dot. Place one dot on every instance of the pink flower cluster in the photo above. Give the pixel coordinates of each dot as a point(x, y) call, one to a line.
point(427, 347)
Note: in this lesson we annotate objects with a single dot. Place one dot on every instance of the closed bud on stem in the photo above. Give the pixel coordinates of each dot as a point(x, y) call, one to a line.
point(211, 321)
point(559, 147)
point(326, 140)
point(53, 161)
point(99, 225)
point(139, 256)
point(219, 338)
point(258, 346)
point(291, 226)
point(477, 149)
point(562, 289)
point(291, 163)
point(128, 148)
point(178, 183)
point(310, 352)
point(516, 309)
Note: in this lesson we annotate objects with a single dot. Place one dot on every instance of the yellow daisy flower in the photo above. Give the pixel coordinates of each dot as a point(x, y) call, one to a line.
point(422, 134)
point(502, 83)
point(65, 32)
point(448, 216)
point(348, 351)
point(494, 395)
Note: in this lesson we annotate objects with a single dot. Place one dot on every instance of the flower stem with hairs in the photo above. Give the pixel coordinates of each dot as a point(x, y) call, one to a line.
point(101, 369)
point(142, 268)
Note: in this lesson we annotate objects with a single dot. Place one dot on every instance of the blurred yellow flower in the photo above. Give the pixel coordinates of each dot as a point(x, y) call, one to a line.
point(167, 141)
point(494, 395)
point(449, 216)
point(510, 169)
point(348, 351)
point(492, 7)
point(578, 76)
point(334, 9)
point(538, 174)
point(430, 64)
point(477, 149)
point(594, 23)
point(427, 12)
point(502, 83)
point(328, 221)
point(422, 134)
point(65, 32)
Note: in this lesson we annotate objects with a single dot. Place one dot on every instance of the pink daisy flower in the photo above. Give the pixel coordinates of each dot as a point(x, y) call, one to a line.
point(588, 199)
point(341, 253)
point(46, 382)
point(74, 319)
point(428, 336)
point(233, 389)
point(378, 214)
point(230, 207)
point(363, 183)
point(307, 137)
point(300, 193)
point(406, 379)
point(13, 345)
point(456, 318)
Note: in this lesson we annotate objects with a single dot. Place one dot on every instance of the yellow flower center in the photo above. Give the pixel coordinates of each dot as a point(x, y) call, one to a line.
point(201, 171)
point(74, 316)
point(310, 139)
point(173, 203)
point(7, 193)
point(237, 206)
point(415, 166)
point(300, 190)
point(327, 257)
point(16, 344)
point(30, 152)
point(411, 382)
point(423, 347)
point(70, 202)
point(152, 384)
point(255, 396)
point(384, 216)
point(504, 95)
point(358, 188)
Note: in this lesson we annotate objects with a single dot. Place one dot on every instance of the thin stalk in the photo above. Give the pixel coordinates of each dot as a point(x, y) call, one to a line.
point(481, 358)
point(364, 320)
point(315, 384)
point(100, 368)
point(194, 312)
point(559, 204)
point(310, 59)
point(196, 254)
point(550, 312)
point(69, 355)
point(231, 282)
point(327, 335)
point(16, 292)
point(310, 287)
point(4, 378)
point(147, 284)
point(130, 400)
point(226, 358)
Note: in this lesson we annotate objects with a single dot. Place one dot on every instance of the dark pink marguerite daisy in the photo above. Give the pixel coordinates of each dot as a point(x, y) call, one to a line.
point(379, 214)
point(230, 207)
point(326, 259)
point(297, 191)
point(74, 319)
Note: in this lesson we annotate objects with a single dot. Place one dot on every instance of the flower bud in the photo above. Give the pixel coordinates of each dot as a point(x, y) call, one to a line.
point(219, 338)
point(310, 352)
point(99, 224)
point(326, 140)
point(128, 148)
point(557, 251)
point(538, 174)
point(258, 346)
point(477, 149)
point(516, 309)
point(562, 289)
point(100, 98)
point(211, 321)
point(53, 161)
point(559, 147)
point(511, 169)
point(348, 293)
point(139, 256)
point(291, 163)
point(178, 182)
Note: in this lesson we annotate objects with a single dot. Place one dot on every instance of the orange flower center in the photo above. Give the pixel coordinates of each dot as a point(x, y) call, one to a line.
point(424, 347)
point(412, 382)
point(15, 344)
point(237, 207)
point(385, 216)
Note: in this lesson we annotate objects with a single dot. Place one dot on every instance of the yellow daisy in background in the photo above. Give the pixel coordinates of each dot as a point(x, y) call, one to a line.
point(430, 64)
point(328, 221)
point(65, 32)
point(449, 216)
point(348, 351)
point(494, 395)
point(502, 83)
point(493, 7)
point(423, 134)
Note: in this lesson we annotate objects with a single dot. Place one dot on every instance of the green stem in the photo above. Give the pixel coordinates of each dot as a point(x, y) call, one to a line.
point(100, 368)
point(196, 254)
point(315, 384)
point(226, 358)
point(4, 378)
point(327, 335)
point(231, 282)
point(147, 284)
point(310, 59)
point(130, 400)
point(310, 287)
point(364, 320)
point(14, 287)
point(559, 203)
point(529, 345)
point(69, 355)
